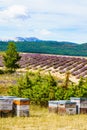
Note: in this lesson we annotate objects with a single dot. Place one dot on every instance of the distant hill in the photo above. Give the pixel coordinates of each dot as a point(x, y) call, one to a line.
point(30, 39)
point(35, 45)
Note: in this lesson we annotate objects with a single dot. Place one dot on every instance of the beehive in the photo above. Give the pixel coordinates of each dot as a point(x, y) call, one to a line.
point(77, 100)
point(81, 104)
point(66, 107)
point(1, 100)
point(61, 107)
point(70, 107)
point(53, 106)
point(21, 107)
point(6, 107)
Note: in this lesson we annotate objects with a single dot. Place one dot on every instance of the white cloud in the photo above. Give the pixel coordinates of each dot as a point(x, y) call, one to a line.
point(49, 19)
point(14, 12)
point(45, 32)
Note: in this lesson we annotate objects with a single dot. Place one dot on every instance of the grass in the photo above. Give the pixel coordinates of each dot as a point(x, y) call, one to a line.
point(7, 80)
point(41, 119)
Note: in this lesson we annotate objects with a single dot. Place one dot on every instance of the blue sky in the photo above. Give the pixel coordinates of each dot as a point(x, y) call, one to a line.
point(61, 20)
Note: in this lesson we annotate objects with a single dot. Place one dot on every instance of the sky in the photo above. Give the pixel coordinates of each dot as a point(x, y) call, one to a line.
point(59, 20)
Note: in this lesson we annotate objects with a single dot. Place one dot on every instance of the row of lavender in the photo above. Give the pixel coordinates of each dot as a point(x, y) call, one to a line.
point(76, 65)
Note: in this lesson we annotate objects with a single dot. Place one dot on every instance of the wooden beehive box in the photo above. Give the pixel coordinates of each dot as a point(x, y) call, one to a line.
point(6, 106)
point(1, 100)
point(53, 106)
point(83, 105)
point(61, 107)
point(66, 107)
point(70, 108)
point(77, 100)
point(21, 107)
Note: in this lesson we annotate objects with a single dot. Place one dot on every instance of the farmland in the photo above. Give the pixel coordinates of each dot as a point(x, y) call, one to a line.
point(57, 65)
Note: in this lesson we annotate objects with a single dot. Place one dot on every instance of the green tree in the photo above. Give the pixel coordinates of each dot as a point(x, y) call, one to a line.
point(39, 88)
point(11, 57)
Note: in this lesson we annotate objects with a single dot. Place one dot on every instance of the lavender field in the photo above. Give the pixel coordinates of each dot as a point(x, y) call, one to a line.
point(77, 66)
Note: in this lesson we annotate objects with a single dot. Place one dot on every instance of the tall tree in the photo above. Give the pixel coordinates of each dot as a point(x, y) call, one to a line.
point(11, 57)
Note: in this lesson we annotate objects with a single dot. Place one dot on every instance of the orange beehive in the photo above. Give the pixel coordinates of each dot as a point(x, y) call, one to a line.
point(21, 106)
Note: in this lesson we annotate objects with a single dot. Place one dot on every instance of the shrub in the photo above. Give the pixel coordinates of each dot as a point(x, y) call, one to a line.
point(42, 88)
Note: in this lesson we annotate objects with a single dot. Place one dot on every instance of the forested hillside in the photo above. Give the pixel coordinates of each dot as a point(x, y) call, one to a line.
point(49, 47)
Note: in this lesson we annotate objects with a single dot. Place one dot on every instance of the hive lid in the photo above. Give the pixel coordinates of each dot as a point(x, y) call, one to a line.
point(75, 98)
point(22, 99)
point(63, 101)
point(9, 97)
point(78, 98)
point(69, 102)
point(53, 101)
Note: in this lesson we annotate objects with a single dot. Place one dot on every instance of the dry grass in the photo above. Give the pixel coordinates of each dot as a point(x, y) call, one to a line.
point(41, 119)
point(7, 80)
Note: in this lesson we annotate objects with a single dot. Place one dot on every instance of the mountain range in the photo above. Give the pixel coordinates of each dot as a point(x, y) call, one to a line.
point(30, 39)
point(35, 45)
point(22, 39)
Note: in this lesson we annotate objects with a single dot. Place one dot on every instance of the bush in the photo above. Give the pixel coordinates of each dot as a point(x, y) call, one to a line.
point(1, 71)
point(42, 88)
